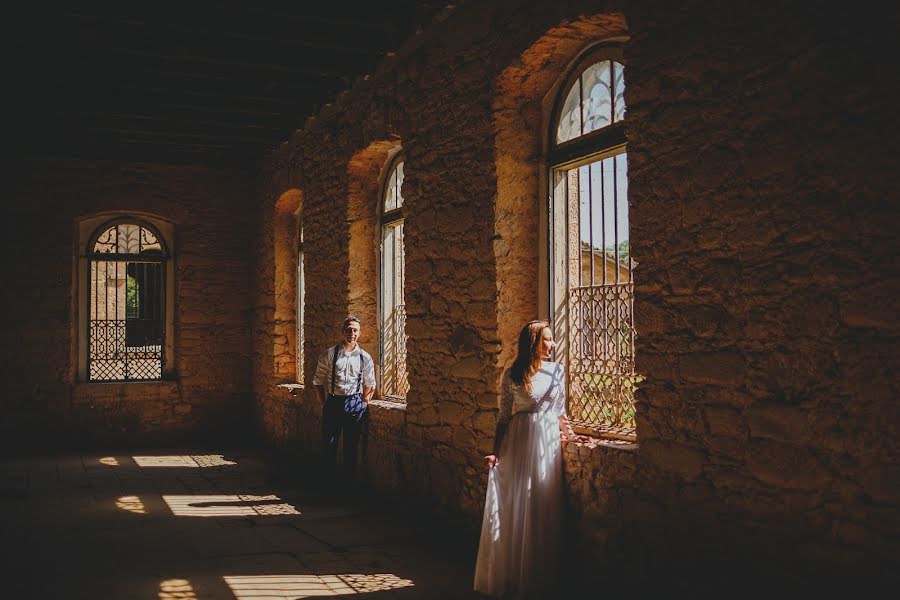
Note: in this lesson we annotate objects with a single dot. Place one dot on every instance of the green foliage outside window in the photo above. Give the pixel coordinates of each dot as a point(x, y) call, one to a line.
point(131, 298)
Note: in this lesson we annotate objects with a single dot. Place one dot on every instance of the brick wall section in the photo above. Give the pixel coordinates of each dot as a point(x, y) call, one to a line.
point(43, 404)
point(767, 279)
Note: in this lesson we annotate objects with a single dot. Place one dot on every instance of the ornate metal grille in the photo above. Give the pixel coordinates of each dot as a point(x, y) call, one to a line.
point(126, 281)
point(392, 314)
point(601, 356)
point(395, 382)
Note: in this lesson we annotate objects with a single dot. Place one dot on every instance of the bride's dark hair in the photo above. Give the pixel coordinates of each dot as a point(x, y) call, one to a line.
point(528, 360)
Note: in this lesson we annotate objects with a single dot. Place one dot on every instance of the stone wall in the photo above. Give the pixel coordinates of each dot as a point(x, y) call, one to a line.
point(761, 220)
point(763, 235)
point(44, 403)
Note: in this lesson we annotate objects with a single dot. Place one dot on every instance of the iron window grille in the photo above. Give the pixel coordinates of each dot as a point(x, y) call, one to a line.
point(392, 311)
point(126, 302)
point(592, 272)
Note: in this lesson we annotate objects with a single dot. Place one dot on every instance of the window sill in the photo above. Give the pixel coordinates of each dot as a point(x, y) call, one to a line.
point(129, 383)
point(612, 434)
point(596, 442)
point(295, 389)
point(387, 404)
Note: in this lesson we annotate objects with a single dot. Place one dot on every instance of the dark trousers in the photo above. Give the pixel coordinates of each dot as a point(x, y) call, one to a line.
point(347, 415)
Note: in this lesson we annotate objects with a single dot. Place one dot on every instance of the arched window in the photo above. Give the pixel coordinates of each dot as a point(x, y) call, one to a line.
point(126, 321)
point(392, 314)
point(592, 289)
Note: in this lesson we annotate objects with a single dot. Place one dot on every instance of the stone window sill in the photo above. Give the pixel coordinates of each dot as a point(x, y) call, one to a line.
point(131, 383)
point(387, 404)
point(596, 442)
point(615, 435)
point(295, 389)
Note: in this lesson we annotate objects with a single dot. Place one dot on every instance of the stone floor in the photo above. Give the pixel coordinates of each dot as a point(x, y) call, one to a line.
point(207, 525)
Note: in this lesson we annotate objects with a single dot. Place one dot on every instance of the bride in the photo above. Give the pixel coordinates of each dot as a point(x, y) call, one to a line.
point(518, 555)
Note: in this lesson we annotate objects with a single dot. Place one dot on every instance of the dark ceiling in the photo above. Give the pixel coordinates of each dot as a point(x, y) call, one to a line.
point(215, 82)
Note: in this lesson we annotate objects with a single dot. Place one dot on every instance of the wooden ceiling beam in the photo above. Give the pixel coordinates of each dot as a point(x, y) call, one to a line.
point(119, 57)
point(73, 72)
point(367, 17)
point(315, 37)
point(123, 99)
point(153, 136)
point(174, 154)
point(197, 81)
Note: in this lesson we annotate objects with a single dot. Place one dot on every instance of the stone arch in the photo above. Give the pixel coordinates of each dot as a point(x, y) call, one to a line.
point(365, 174)
point(288, 208)
point(525, 93)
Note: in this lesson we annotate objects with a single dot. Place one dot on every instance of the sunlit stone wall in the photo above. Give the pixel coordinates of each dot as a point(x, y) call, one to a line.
point(761, 220)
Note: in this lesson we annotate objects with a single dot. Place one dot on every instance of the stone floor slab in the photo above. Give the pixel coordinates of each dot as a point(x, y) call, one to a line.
point(205, 525)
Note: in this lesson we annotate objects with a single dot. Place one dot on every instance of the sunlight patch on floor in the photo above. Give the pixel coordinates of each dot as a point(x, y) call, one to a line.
point(187, 460)
point(295, 587)
point(131, 504)
point(176, 589)
point(228, 506)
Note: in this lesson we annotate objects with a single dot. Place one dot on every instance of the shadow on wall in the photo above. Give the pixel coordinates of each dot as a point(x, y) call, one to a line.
point(688, 554)
point(118, 423)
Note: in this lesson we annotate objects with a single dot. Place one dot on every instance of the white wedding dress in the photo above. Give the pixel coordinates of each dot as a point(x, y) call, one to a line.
point(518, 556)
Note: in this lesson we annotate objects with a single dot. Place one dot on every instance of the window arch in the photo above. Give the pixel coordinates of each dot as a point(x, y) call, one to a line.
point(126, 301)
point(595, 100)
point(592, 284)
point(392, 310)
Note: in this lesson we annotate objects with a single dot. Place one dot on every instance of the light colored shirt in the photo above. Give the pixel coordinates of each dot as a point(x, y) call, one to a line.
point(347, 370)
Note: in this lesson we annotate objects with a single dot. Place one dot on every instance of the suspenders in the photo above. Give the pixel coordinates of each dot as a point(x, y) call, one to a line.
point(334, 368)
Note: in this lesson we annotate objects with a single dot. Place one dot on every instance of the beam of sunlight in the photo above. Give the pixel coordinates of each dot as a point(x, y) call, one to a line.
point(295, 587)
point(176, 589)
point(131, 504)
point(110, 461)
point(228, 506)
point(191, 461)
